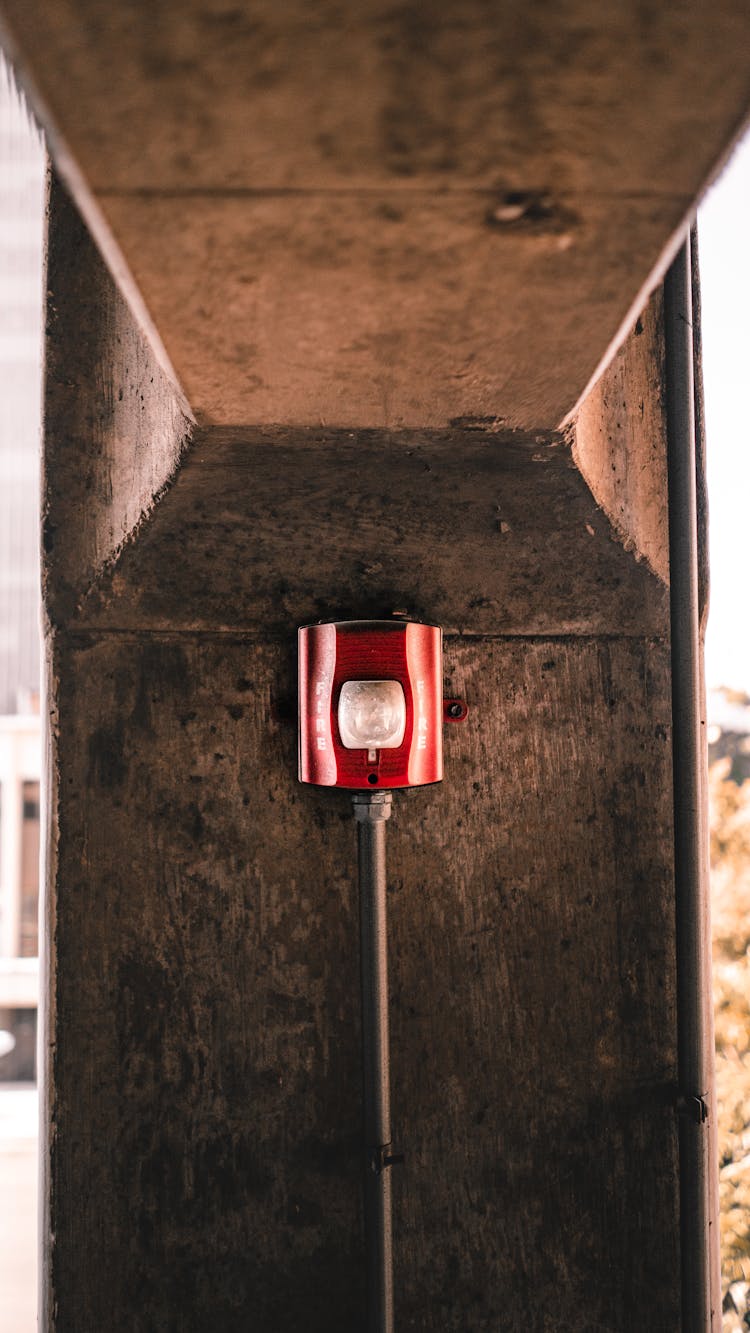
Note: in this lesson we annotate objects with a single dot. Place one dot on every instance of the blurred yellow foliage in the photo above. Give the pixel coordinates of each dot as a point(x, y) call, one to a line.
point(730, 905)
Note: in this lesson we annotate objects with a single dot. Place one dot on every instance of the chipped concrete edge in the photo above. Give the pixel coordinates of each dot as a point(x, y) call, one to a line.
point(619, 531)
point(106, 568)
point(618, 442)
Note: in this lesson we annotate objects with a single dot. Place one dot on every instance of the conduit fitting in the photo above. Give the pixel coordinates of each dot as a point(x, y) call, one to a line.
point(370, 806)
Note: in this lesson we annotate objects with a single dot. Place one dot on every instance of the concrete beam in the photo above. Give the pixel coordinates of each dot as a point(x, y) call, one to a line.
point(389, 217)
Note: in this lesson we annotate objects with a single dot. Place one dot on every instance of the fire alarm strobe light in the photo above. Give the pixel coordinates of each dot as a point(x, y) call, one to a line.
point(371, 704)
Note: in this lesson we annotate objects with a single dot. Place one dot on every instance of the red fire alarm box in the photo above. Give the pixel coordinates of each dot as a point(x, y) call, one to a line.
point(370, 704)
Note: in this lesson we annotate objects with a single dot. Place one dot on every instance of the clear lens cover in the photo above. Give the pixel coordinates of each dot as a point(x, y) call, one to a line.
point(372, 714)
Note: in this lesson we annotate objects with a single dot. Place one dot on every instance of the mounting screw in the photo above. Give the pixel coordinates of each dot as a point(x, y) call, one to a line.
point(455, 710)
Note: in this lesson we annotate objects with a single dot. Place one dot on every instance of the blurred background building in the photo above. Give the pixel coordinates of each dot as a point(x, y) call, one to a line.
point(22, 188)
point(22, 172)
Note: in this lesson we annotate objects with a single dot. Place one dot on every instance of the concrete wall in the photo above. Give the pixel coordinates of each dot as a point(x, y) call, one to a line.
point(203, 1067)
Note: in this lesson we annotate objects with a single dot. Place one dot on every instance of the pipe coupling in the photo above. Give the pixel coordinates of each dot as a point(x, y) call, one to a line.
point(372, 806)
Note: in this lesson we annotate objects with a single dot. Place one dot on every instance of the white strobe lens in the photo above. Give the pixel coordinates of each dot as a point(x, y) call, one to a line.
point(372, 714)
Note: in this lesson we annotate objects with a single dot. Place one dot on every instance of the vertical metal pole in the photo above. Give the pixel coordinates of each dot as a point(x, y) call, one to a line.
point(371, 810)
point(693, 945)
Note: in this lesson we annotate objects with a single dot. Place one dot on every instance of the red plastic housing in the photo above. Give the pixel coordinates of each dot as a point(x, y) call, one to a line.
point(355, 650)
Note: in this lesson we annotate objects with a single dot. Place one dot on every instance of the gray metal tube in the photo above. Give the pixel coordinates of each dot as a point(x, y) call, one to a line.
point(691, 872)
point(371, 810)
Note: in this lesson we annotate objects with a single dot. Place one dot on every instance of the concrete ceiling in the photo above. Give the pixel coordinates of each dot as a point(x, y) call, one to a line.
point(381, 214)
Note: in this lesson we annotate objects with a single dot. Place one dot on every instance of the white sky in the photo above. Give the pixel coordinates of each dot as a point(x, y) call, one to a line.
point(724, 241)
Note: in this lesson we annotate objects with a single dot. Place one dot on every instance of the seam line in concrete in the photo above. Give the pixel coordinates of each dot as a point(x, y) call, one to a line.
point(365, 192)
point(254, 636)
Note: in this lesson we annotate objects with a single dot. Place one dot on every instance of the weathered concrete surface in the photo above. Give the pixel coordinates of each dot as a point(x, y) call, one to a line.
point(208, 1175)
point(621, 441)
point(474, 529)
point(119, 429)
point(264, 97)
point(387, 309)
point(302, 197)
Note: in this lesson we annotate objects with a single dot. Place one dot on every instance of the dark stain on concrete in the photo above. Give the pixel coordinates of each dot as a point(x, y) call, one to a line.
point(107, 765)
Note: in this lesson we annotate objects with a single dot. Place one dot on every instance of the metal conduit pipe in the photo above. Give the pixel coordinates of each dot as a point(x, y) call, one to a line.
point(695, 1056)
point(371, 810)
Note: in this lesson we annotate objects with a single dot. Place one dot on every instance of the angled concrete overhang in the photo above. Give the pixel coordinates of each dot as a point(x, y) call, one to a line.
point(385, 215)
